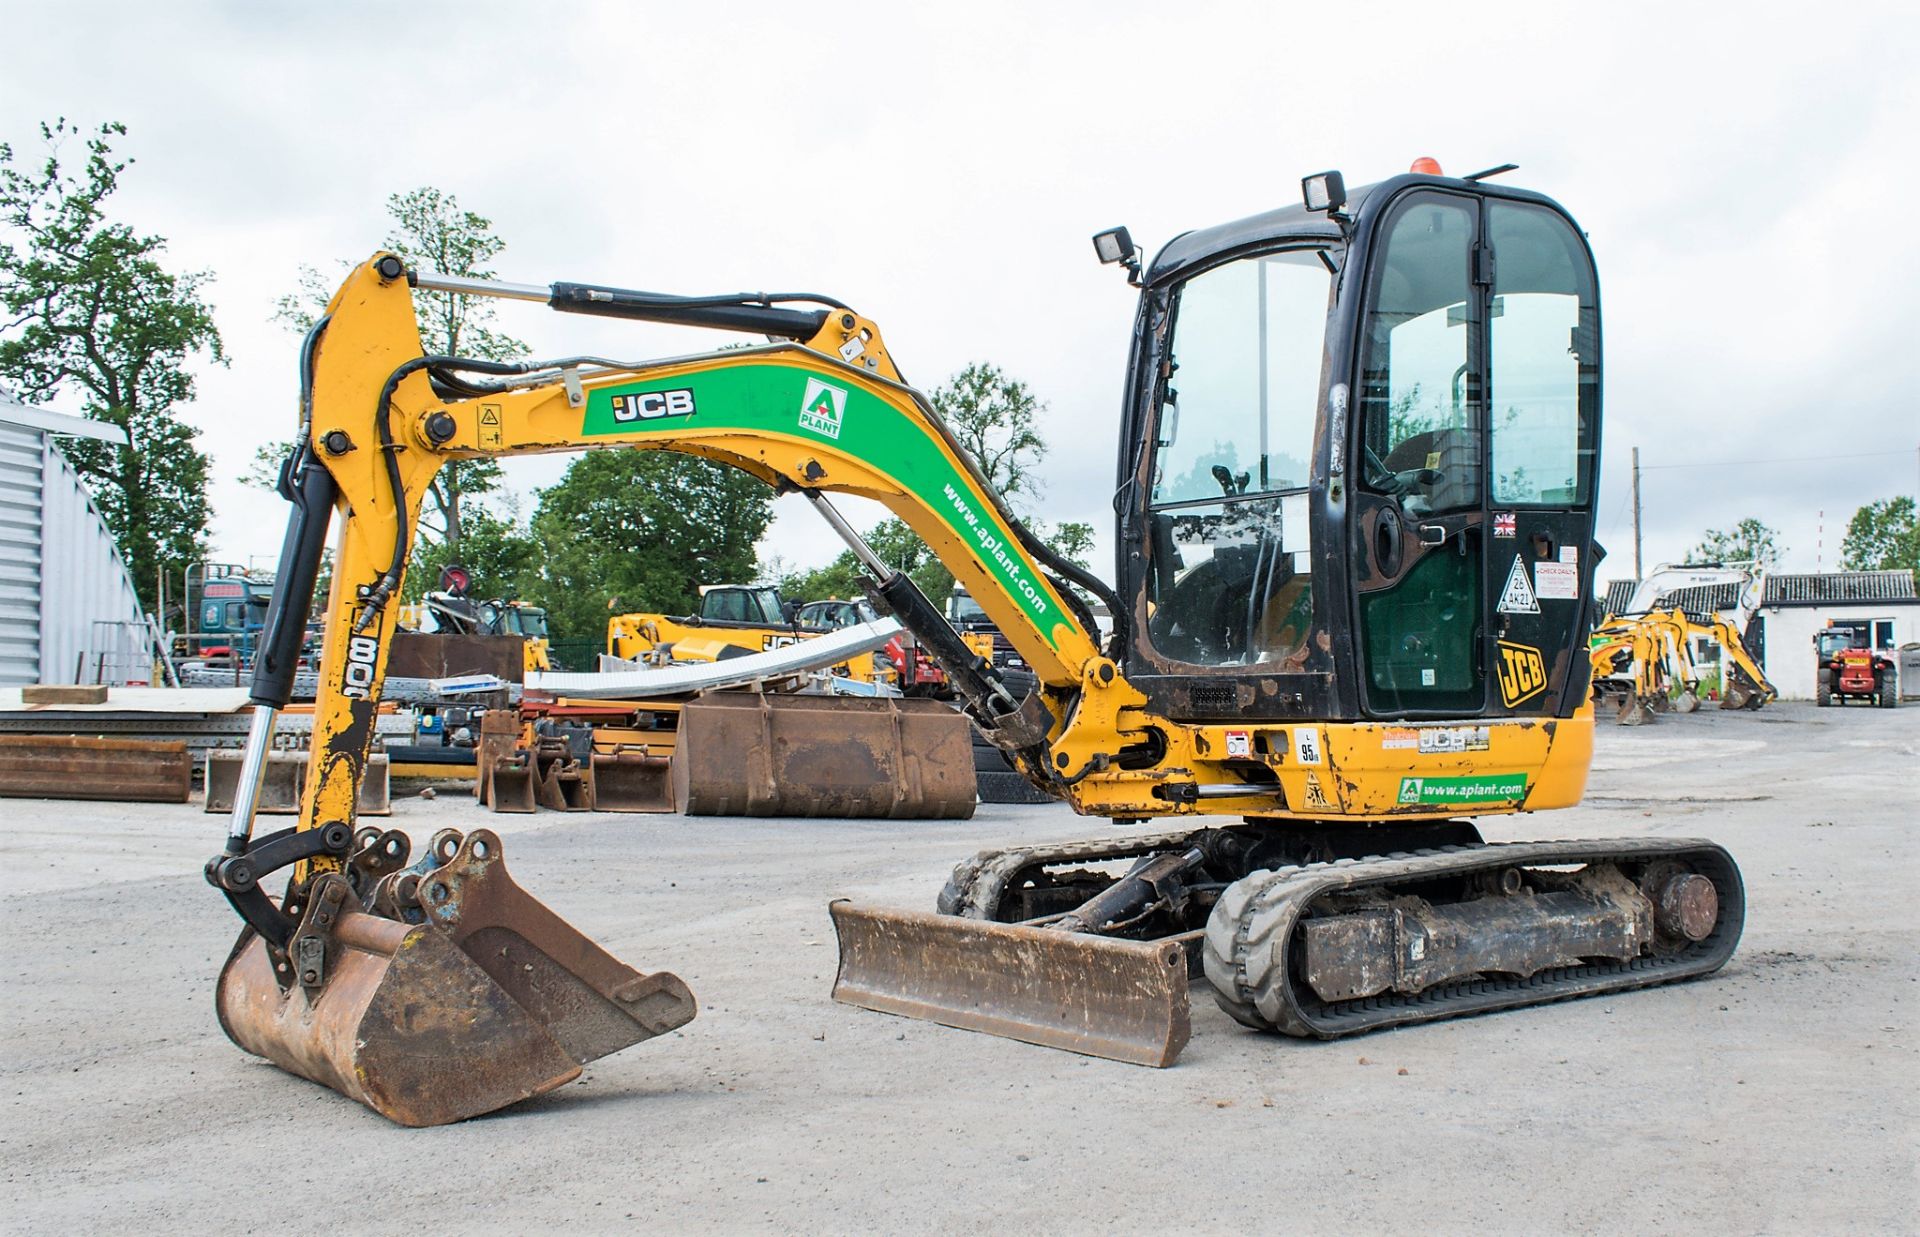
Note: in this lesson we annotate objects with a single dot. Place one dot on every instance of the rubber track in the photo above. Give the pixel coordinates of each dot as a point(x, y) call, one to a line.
point(977, 884)
point(1247, 947)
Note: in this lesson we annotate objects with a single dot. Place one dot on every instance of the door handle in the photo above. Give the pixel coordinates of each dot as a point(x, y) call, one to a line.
point(1433, 535)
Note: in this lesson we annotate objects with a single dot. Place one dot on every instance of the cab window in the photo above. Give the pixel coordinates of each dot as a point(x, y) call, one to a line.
point(1421, 433)
point(1543, 336)
point(1231, 562)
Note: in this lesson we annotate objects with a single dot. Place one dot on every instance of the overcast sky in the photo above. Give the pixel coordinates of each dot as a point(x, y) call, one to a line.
point(1747, 174)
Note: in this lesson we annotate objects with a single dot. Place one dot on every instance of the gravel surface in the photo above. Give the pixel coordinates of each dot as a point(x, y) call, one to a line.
point(1782, 1094)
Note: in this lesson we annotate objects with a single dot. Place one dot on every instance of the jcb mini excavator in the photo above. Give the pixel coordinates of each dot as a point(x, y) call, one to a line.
point(1355, 570)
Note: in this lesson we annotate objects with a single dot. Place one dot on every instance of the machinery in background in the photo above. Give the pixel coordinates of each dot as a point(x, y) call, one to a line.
point(1852, 669)
point(736, 620)
point(225, 610)
point(1325, 666)
point(1645, 658)
point(451, 610)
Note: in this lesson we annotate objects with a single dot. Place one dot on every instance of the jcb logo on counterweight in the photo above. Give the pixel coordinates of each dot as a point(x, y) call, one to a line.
point(1523, 673)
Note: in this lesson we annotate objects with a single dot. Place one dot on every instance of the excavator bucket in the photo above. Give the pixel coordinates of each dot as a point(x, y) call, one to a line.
point(477, 997)
point(749, 754)
point(1098, 995)
point(510, 783)
point(632, 781)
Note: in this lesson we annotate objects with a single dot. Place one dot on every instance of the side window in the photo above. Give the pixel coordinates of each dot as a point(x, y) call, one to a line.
point(1421, 434)
point(1231, 559)
point(1544, 346)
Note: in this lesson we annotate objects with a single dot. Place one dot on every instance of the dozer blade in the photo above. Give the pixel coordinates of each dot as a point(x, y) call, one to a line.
point(629, 781)
point(749, 754)
point(1101, 996)
point(492, 1000)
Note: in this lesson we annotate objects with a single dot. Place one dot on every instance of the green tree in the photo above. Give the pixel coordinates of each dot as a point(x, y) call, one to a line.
point(497, 550)
point(640, 530)
point(430, 231)
point(1749, 541)
point(995, 418)
point(1882, 536)
point(94, 315)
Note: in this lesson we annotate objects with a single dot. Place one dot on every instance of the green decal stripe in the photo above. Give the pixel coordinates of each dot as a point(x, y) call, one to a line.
point(1486, 788)
point(768, 398)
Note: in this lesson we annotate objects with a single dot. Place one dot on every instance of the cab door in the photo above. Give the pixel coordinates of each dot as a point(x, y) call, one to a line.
point(1478, 421)
point(1416, 521)
point(1543, 397)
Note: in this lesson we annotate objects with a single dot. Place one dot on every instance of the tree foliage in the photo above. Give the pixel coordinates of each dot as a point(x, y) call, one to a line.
point(92, 314)
point(640, 530)
point(1749, 541)
point(1882, 536)
point(994, 417)
point(430, 231)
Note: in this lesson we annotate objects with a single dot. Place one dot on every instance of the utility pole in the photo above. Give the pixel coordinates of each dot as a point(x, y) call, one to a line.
point(1637, 573)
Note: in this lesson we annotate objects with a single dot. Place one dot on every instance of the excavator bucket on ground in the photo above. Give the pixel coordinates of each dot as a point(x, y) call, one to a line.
point(454, 993)
point(752, 754)
point(632, 780)
point(1103, 996)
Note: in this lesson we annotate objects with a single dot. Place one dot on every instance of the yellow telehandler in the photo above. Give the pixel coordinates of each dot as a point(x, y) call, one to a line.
point(1355, 499)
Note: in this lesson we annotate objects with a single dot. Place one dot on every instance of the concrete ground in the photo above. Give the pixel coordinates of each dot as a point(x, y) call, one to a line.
point(1782, 1095)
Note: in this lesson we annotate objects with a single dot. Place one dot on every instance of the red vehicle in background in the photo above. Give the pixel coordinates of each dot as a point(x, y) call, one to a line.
point(1850, 669)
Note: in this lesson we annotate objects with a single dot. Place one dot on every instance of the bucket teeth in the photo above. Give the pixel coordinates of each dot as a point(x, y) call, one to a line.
point(488, 999)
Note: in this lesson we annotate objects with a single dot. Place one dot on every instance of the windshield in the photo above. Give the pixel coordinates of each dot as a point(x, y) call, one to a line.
point(962, 606)
point(1832, 642)
point(528, 621)
point(1231, 555)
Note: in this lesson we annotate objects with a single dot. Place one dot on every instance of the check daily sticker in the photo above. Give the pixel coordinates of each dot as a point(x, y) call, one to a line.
point(1488, 788)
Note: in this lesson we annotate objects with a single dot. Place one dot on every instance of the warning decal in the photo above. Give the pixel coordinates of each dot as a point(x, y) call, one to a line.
point(1517, 597)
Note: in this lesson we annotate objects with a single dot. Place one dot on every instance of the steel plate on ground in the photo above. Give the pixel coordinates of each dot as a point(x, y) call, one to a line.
point(1101, 996)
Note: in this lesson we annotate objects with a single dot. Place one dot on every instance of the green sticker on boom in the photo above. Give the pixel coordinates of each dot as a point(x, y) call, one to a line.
point(800, 404)
point(1489, 788)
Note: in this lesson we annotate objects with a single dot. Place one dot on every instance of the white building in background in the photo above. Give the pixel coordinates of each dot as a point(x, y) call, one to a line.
point(1794, 607)
point(68, 610)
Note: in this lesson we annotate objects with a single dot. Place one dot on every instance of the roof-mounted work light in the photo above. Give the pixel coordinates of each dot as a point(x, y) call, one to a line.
point(1325, 191)
point(1115, 245)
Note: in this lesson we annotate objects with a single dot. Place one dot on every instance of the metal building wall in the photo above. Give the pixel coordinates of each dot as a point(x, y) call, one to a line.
point(22, 455)
point(60, 570)
point(85, 580)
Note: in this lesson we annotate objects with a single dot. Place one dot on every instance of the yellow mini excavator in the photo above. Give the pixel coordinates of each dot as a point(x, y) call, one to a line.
point(1354, 579)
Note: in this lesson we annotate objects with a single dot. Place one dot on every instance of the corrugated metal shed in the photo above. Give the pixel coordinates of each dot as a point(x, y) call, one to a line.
point(48, 616)
point(1701, 600)
point(1841, 587)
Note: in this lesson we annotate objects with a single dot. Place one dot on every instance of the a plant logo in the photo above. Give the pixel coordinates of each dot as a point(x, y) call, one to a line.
point(823, 408)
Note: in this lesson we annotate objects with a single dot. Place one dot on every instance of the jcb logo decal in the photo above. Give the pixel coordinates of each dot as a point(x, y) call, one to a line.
point(652, 405)
point(1523, 674)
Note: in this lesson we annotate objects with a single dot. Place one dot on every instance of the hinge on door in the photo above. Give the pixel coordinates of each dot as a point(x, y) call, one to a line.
point(1483, 265)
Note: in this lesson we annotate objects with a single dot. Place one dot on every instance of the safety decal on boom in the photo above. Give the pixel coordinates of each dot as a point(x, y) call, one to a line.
point(1517, 597)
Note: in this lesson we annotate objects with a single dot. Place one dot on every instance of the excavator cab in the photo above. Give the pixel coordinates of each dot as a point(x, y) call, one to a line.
point(1357, 461)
